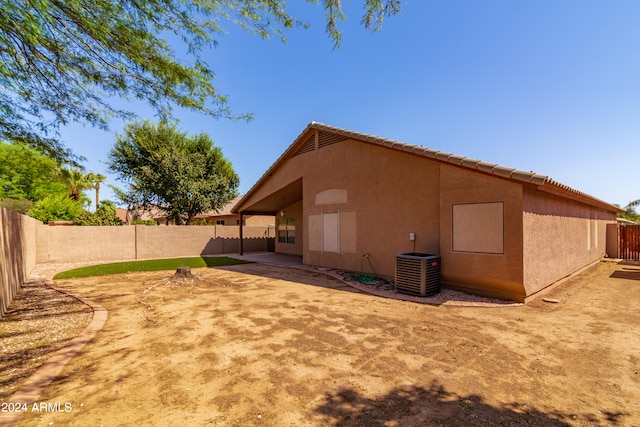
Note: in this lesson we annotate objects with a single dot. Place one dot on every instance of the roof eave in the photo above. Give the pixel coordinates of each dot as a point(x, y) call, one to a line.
point(543, 182)
point(553, 187)
point(274, 166)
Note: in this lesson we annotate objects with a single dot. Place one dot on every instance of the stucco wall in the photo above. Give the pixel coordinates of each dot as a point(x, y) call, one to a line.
point(496, 274)
point(83, 244)
point(78, 244)
point(370, 198)
point(393, 194)
point(380, 194)
point(17, 253)
point(560, 237)
point(613, 243)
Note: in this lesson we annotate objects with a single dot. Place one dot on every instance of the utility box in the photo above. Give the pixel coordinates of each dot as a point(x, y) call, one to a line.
point(417, 274)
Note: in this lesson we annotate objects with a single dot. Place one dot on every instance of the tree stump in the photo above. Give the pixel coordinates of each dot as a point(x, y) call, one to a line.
point(182, 274)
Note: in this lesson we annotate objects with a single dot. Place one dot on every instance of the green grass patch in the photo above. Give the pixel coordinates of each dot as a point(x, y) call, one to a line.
point(150, 265)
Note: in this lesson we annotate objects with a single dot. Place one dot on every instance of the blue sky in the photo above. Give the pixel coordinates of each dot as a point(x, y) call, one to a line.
point(550, 86)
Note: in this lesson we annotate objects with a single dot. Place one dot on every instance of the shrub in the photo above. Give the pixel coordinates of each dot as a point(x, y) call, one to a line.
point(144, 222)
point(21, 206)
point(56, 208)
point(104, 215)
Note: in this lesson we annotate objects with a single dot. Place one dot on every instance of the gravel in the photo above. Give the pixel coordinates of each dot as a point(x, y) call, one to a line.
point(445, 294)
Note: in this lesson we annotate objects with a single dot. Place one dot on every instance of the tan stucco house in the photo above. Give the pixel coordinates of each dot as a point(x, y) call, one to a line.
point(340, 195)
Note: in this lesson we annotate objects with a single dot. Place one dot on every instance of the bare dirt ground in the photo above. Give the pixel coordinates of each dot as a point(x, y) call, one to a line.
point(268, 346)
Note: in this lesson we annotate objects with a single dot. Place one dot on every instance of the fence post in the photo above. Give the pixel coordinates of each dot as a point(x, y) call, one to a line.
point(241, 240)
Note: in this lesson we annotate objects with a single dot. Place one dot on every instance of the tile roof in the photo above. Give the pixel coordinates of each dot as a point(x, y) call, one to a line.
point(227, 209)
point(544, 182)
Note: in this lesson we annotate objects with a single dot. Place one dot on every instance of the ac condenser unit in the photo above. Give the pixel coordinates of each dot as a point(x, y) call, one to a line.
point(417, 274)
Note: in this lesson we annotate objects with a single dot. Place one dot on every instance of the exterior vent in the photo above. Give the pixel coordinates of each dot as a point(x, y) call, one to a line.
point(327, 139)
point(308, 146)
point(417, 274)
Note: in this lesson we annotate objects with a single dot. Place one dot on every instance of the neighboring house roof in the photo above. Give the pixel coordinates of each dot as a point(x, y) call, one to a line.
point(146, 213)
point(303, 143)
point(226, 210)
point(625, 221)
point(121, 213)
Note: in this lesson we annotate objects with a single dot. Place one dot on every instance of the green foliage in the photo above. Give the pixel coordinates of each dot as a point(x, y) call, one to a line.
point(21, 206)
point(164, 167)
point(150, 265)
point(56, 208)
point(95, 180)
point(27, 174)
point(199, 221)
point(144, 222)
point(62, 61)
point(105, 214)
point(630, 211)
point(77, 181)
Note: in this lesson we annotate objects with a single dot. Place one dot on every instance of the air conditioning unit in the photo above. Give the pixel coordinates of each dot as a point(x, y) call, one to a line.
point(417, 274)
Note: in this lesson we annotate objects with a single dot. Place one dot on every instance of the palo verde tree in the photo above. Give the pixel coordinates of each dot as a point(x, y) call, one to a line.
point(168, 169)
point(63, 61)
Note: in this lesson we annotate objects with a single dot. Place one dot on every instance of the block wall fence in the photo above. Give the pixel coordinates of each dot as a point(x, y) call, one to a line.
point(25, 242)
point(62, 244)
point(17, 253)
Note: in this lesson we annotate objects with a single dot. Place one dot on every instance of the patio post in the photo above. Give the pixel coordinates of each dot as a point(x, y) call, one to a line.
point(241, 247)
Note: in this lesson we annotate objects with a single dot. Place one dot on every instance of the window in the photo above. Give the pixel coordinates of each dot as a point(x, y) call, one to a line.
point(479, 228)
point(333, 232)
point(286, 230)
point(220, 222)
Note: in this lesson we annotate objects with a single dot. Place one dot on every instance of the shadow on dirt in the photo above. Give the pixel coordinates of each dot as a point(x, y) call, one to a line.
point(47, 312)
point(435, 406)
point(628, 273)
point(291, 275)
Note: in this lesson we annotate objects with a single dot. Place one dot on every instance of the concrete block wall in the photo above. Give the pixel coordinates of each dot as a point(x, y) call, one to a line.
point(61, 244)
point(25, 242)
point(88, 244)
point(17, 253)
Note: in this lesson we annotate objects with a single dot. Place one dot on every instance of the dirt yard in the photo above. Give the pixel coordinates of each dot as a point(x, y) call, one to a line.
point(256, 345)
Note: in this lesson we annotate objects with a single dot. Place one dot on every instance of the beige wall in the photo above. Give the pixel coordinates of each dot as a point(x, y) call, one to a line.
point(613, 243)
point(380, 195)
point(17, 253)
point(561, 236)
point(88, 244)
point(496, 274)
point(492, 233)
point(84, 244)
point(369, 174)
point(388, 194)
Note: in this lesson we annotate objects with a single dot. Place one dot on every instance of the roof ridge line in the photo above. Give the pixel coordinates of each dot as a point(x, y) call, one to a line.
point(451, 158)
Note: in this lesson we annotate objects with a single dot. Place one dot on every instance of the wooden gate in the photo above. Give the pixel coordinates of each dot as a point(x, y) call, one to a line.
point(629, 238)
